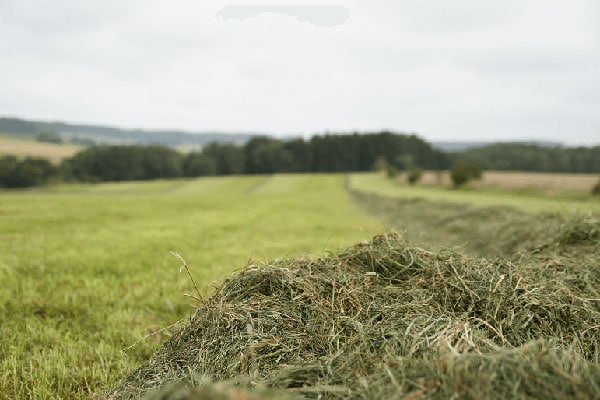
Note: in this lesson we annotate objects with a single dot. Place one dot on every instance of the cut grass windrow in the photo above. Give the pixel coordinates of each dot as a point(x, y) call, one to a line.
point(386, 319)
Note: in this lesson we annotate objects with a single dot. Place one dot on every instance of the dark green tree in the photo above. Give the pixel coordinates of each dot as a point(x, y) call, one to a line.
point(464, 171)
point(31, 171)
point(199, 164)
point(7, 166)
point(300, 153)
point(414, 175)
point(124, 163)
point(228, 158)
point(49, 137)
point(266, 155)
point(531, 157)
point(596, 188)
point(159, 161)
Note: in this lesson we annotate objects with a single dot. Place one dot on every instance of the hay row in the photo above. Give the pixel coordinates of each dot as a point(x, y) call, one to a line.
point(386, 319)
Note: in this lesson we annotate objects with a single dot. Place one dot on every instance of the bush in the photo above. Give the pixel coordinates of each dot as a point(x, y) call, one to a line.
point(392, 171)
point(596, 188)
point(7, 166)
point(380, 164)
point(15, 173)
point(464, 171)
point(414, 175)
point(49, 137)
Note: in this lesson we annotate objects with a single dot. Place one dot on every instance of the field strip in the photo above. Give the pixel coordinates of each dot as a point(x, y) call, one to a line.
point(480, 231)
point(529, 202)
point(279, 183)
point(520, 180)
point(30, 148)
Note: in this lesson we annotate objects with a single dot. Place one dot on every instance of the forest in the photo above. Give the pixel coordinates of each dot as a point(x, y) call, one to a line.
point(266, 155)
point(530, 157)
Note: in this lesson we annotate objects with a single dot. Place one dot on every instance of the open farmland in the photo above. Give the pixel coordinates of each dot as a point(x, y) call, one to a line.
point(483, 222)
point(391, 319)
point(86, 272)
point(525, 200)
point(548, 182)
point(30, 148)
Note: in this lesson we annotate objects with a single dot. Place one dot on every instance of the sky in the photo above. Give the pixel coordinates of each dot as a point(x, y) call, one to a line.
point(461, 70)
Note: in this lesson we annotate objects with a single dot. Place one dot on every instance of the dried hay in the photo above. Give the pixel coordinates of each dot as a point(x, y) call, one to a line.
point(385, 319)
point(481, 231)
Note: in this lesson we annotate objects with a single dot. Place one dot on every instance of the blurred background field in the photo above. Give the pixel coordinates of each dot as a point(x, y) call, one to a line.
point(549, 182)
point(529, 199)
point(20, 147)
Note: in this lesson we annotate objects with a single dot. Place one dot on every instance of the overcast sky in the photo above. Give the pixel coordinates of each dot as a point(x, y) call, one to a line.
point(446, 70)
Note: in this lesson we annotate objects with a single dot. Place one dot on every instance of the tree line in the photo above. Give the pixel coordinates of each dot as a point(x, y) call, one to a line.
point(529, 157)
point(265, 155)
point(328, 153)
point(260, 155)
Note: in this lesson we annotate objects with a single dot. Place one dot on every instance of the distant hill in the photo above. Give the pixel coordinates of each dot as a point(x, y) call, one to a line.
point(89, 134)
point(457, 146)
point(99, 134)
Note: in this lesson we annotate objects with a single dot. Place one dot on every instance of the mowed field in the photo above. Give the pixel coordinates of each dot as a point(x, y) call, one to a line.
point(549, 182)
point(89, 287)
point(30, 148)
point(86, 270)
point(528, 199)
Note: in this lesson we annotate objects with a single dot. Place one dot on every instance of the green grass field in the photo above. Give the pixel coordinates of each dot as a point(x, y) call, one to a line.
point(528, 200)
point(483, 222)
point(87, 271)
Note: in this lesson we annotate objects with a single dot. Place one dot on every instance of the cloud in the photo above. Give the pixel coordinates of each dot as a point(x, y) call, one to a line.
point(447, 70)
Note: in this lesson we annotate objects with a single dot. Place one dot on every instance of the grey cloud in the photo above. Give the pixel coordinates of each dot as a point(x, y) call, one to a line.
point(63, 17)
point(458, 69)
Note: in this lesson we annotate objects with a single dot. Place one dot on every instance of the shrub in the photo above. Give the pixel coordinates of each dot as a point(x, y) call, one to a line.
point(380, 164)
point(596, 188)
point(392, 171)
point(414, 175)
point(29, 172)
point(464, 171)
point(7, 166)
point(49, 137)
